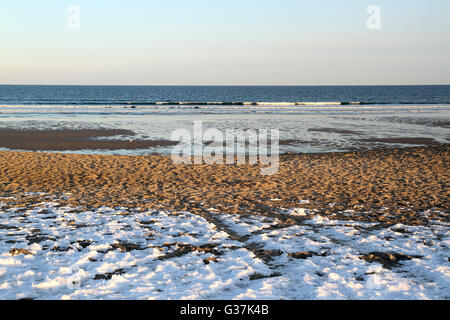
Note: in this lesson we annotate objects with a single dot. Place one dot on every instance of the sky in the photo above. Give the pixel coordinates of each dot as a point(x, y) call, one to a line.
point(228, 42)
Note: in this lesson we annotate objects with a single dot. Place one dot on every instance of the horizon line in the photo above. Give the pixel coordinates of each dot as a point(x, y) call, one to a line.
point(221, 85)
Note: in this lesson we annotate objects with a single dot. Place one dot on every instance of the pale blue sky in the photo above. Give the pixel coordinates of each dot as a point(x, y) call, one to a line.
point(285, 42)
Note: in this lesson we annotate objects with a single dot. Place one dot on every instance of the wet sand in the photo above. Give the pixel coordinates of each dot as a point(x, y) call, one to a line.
point(334, 130)
point(411, 140)
point(387, 185)
point(67, 139)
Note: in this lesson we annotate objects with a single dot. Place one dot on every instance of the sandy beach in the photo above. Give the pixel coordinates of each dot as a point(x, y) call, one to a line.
point(93, 207)
point(405, 181)
point(76, 223)
point(355, 225)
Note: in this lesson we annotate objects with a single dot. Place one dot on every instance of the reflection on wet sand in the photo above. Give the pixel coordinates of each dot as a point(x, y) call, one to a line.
point(72, 139)
point(405, 140)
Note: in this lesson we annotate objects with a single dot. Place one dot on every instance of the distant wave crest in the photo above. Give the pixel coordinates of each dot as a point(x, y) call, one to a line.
point(268, 103)
point(210, 104)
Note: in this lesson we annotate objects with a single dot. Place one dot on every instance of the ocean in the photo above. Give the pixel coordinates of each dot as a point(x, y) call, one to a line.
point(222, 95)
point(309, 118)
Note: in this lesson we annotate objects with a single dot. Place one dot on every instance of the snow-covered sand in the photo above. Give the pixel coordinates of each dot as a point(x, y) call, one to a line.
point(53, 252)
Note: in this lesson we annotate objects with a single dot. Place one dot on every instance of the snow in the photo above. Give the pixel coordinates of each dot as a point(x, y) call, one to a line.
point(119, 253)
point(298, 212)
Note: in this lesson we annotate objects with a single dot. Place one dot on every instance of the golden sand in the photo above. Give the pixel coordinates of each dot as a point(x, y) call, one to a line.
point(406, 181)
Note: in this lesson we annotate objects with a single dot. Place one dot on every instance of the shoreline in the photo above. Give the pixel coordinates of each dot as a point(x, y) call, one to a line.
point(402, 181)
point(237, 106)
point(100, 139)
